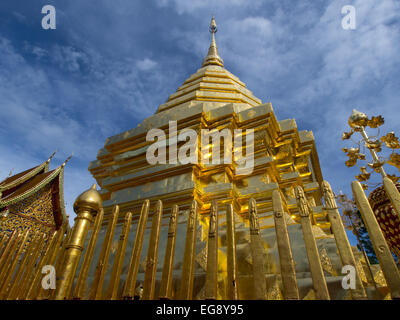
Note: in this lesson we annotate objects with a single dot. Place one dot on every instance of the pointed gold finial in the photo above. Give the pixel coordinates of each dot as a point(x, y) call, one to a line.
point(213, 25)
point(213, 56)
point(65, 162)
point(48, 160)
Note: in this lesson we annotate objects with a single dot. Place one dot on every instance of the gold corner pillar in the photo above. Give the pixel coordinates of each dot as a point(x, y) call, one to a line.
point(257, 253)
point(86, 207)
point(211, 286)
point(317, 273)
point(152, 254)
point(386, 261)
point(288, 270)
point(166, 278)
point(342, 242)
point(232, 287)
point(186, 288)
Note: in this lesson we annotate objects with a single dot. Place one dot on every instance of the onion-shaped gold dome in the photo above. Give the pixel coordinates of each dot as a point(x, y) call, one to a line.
point(89, 199)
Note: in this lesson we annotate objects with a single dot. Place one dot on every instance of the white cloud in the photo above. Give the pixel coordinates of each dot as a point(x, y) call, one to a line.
point(255, 26)
point(39, 52)
point(20, 17)
point(69, 58)
point(184, 6)
point(146, 64)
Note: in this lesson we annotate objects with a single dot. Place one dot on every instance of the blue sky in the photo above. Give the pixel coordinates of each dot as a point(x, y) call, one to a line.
point(109, 64)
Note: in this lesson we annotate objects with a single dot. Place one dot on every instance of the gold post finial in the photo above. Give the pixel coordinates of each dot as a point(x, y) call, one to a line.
point(213, 57)
point(90, 200)
point(86, 206)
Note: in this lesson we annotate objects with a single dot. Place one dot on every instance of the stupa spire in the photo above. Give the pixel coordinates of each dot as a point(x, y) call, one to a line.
point(213, 56)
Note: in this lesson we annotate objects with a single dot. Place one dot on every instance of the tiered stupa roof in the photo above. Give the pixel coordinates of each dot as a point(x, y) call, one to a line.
point(211, 83)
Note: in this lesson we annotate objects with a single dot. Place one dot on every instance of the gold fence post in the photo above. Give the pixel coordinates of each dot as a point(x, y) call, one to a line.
point(119, 257)
point(86, 207)
point(232, 287)
point(385, 258)
point(129, 286)
point(42, 294)
point(342, 242)
point(30, 269)
point(13, 295)
point(211, 285)
point(317, 273)
point(59, 262)
point(5, 287)
point(166, 279)
point(7, 249)
point(152, 254)
point(102, 264)
point(288, 270)
point(61, 253)
point(21, 268)
point(186, 288)
point(257, 253)
point(3, 238)
point(6, 264)
point(34, 287)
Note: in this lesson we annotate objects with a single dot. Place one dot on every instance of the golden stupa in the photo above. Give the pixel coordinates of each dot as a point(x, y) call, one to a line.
point(213, 98)
point(203, 231)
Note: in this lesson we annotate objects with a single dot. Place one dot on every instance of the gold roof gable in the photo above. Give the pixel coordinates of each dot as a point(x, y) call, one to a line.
point(20, 178)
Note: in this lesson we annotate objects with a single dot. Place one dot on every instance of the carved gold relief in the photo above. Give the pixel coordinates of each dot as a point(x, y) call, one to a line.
point(327, 263)
point(201, 258)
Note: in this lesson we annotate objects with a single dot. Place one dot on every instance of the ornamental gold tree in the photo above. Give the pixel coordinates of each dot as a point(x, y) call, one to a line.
point(358, 122)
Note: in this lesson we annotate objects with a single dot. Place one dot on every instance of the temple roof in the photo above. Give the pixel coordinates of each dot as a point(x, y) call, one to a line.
point(30, 187)
point(212, 82)
point(22, 177)
point(31, 181)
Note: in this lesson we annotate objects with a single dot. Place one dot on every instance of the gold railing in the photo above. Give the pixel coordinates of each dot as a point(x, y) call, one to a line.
point(22, 262)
